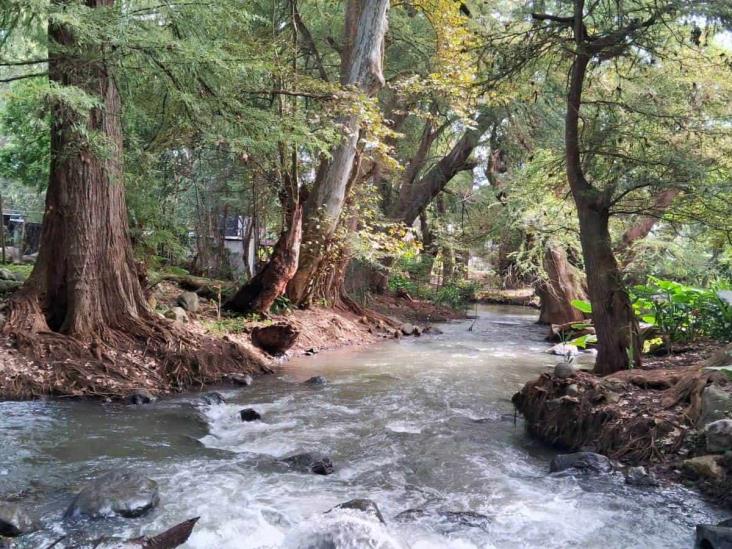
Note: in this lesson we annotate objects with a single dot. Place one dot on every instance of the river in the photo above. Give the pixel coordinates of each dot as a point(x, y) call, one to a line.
point(421, 424)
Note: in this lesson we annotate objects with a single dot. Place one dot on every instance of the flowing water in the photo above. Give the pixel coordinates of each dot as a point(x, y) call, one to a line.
point(424, 424)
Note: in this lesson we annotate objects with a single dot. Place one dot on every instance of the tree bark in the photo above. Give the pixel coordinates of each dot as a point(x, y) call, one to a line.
point(265, 287)
point(564, 283)
point(612, 313)
point(361, 68)
point(85, 274)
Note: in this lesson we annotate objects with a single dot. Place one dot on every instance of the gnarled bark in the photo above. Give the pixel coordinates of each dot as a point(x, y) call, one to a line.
point(564, 283)
point(361, 68)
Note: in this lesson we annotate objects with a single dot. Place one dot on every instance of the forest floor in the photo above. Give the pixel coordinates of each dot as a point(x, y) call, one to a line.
point(652, 416)
point(318, 329)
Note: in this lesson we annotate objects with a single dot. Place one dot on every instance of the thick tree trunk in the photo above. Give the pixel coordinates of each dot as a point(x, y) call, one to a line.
point(260, 292)
point(564, 283)
point(612, 314)
point(85, 275)
point(366, 22)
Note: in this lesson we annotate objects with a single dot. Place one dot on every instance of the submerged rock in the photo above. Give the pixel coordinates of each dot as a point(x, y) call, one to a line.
point(639, 476)
point(719, 436)
point(583, 461)
point(212, 398)
point(141, 396)
point(312, 462)
point(188, 301)
point(365, 506)
point(120, 493)
point(243, 380)
point(14, 520)
point(709, 536)
point(316, 380)
point(250, 414)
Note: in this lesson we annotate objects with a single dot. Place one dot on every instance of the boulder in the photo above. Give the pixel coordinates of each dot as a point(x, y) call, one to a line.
point(365, 506)
point(466, 519)
point(188, 301)
point(583, 461)
point(316, 380)
point(243, 380)
point(564, 370)
point(407, 329)
point(713, 537)
point(704, 467)
point(719, 436)
point(563, 349)
point(639, 476)
point(276, 338)
point(310, 462)
point(6, 274)
point(571, 390)
point(250, 414)
point(14, 520)
point(212, 398)
point(716, 404)
point(120, 493)
point(178, 314)
point(140, 396)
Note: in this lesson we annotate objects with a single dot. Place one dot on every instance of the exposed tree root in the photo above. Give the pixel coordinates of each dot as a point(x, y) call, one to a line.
point(634, 416)
point(147, 352)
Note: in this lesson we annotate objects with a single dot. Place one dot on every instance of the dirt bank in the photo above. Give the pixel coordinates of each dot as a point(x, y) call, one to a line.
point(318, 330)
point(652, 416)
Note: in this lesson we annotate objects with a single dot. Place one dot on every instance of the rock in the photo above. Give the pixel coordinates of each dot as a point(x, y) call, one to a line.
point(178, 314)
point(713, 537)
point(312, 462)
point(563, 370)
point(432, 330)
point(140, 396)
point(411, 515)
point(571, 390)
point(719, 436)
point(726, 522)
point(189, 301)
point(638, 476)
point(723, 357)
point(716, 404)
point(614, 385)
point(583, 461)
point(407, 329)
point(316, 380)
point(365, 506)
point(243, 380)
point(123, 493)
point(14, 520)
point(6, 274)
point(417, 331)
point(276, 338)
point(212, 398)
point(250, 414)
point(467, 519)
point(563, 349)
point(703, 466)
point(311, 351)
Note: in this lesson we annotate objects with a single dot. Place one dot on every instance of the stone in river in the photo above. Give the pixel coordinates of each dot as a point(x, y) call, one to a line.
point(316, 380)
point(249, 414)
point(14, 520)
point(313, 462)
point(120, 493)
point(582, 461)
point(366, 506)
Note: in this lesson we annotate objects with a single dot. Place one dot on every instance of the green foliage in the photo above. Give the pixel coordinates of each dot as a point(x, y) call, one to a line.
point(683, 313)
point(582, 306)
point(281, 306)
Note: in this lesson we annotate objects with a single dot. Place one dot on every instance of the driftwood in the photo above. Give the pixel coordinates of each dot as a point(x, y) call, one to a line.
point(171, 538)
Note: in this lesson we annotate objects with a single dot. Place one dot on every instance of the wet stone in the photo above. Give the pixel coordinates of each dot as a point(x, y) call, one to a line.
point(120, 493)
point(310, 462)
point(212, 398)
point(709, 536)
point(14, 520)
point(365, 506)
point(316, 380)
point(581, 461)
point(141, 396)
point(250, 414)
point(639, 476)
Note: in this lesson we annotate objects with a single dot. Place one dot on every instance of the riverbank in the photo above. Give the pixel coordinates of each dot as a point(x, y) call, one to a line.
point(312, 331)
point(664, 416)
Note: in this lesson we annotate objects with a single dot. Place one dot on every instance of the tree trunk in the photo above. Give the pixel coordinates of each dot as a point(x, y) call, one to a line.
point(564, 283)
point(612, 314)
point(85, 273)
point(366, 22)
point(260, 292)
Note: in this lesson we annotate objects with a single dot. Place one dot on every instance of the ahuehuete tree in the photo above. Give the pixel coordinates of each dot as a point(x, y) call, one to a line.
point(84, 302)
point(621, 147)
